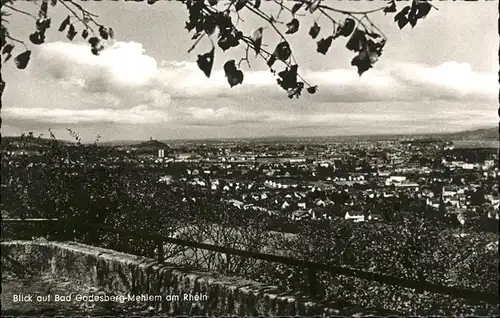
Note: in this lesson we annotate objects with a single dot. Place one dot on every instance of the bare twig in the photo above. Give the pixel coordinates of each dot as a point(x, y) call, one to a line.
point(328, 8)
point(19, 11)
point(76, 16)
point(249, 42)
point(271, 21)
point(239, 18)
point(96, 23)
point(245, 58)
point(280, 3)
point(330, 18)
point(82, 9)
point(433, 6)
point(375, 27)
point(284, 7)
point(196, 43)
point(360, 21)
point(16, 40)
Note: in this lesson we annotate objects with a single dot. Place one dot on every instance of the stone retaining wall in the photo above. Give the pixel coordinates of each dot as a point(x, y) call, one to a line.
point(125, 274)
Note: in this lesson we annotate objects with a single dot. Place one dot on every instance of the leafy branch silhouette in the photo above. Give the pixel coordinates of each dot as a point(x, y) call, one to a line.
point(214, 19)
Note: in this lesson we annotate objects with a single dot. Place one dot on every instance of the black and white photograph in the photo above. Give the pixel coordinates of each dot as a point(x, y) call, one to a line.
point(249, 158)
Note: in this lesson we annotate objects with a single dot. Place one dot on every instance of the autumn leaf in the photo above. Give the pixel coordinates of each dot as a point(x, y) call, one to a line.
point(413, 22)
point(346, 28)
point(7, 49)
point(240, 4)
point(94, 41)
point(295, 91)
point(357, 42)
point(103, 32)
point(206, 61)
point(85, 34)
point(95, 51)
point(97, 47)
point(362, 62)
point(402, 22)
point(288, 77)
point(234, 76)
point(37, 37)
point(391, 8)
point(314, 6)
point(227, 42)
point(71, 32)
point(296, 7)
point(209, 25)
point(412, 15)
point(223, 20)
point(3, 35)
point(256, 4)
point(401, 18)
point(224, 43)
point(314, 31)
point(42, 24)
point(424, 8)
point(312, 89)
point(42, 13)
point(64, 24)
point(270, 62)
point(283, 51)
point(257, 40)
point(293, 26)
point(324, 44)
point(22, 59)
point(373, 57)
point(111, 33)
point(189, 26)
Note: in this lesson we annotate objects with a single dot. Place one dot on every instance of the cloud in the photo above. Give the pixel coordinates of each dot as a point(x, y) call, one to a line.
point(398, 114)
point(123, 64)
point(450, 80)
point(59, 116)
point(223, 116)
point(125, 71)
point(121, 77)
point(401, 82)
point(126, 86)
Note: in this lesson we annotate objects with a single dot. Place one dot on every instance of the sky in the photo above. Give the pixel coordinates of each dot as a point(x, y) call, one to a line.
point(440, 76)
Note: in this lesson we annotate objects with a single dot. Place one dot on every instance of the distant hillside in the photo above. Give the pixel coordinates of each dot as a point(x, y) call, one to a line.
point(119, 142)
point(150, 144)
point(485, 134)
point(29, 141)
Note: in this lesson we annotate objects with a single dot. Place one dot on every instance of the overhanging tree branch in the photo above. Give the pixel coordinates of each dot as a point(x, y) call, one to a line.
point(207, 17)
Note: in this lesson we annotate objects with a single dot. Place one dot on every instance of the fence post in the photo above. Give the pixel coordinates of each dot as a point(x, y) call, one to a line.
point(313, 283)
point(159, 245)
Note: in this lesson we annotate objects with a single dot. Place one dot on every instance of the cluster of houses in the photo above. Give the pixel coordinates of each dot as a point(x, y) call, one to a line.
point(318, 181)
point(307, 200)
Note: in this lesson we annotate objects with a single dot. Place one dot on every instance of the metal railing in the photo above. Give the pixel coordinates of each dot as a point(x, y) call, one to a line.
point(312, 267)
